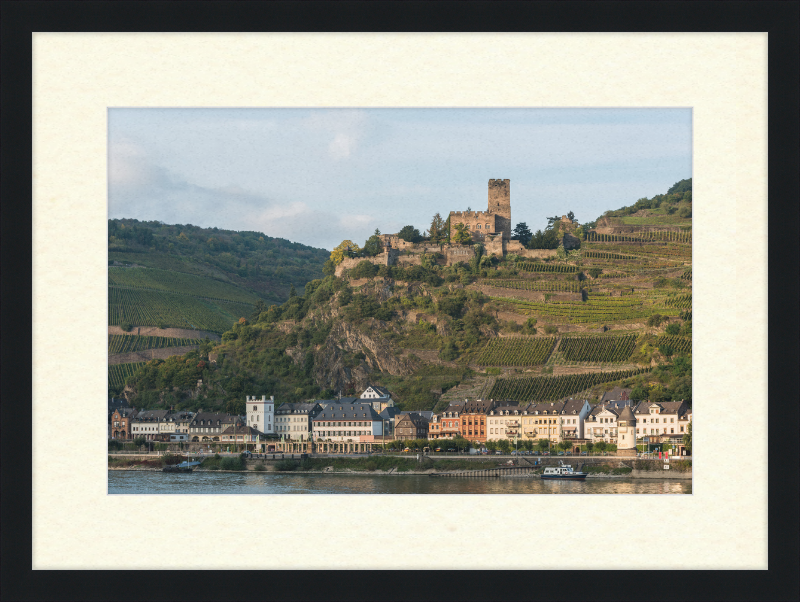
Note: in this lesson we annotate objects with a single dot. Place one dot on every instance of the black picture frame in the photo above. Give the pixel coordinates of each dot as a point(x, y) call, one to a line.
point(780, 19)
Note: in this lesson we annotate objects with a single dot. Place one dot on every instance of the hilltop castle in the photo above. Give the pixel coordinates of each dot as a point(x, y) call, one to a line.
point(490, 224)
point(491, 227)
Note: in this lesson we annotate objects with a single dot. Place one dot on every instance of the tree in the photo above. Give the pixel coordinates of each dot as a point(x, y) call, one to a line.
point(475, 262)
point(589, 446)
point(522, 233)
point(504, 445)
point(139, 441)
point(462, 235)
point(544, 240)
point(292, 292)
point(639, 393)
point(491, 445)
point(436, 232)
point(600, 446)
point(571, 216)
point(373, 246)
point(564, 444)
point(687, 439)
point(595, 272)
point(409, 234)
point(543, 444)
point(259, 307)
point(552, 221)
point(347, 248)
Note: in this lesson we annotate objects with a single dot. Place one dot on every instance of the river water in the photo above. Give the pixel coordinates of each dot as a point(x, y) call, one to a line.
point(148, 482)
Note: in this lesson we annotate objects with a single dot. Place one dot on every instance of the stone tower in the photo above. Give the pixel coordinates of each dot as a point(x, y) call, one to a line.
point(626, 433)
point(261, 413)
point(500, 204)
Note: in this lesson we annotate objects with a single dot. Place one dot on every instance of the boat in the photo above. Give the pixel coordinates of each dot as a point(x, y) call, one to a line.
point(177, 468)
point(563, 471)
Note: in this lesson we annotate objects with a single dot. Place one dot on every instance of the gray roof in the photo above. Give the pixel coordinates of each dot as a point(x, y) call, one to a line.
point(298, 408)
point(541, 408)
point(241, 430)
point(501, 410)
point(667, 407)
point(383, 391)
point(426, 414)
point(478, 406)
point(627, 414)
point(151, 415)
point(211, 418)
point(390, 413)
point(415, 418)
point(616, 394)
point(339, 410)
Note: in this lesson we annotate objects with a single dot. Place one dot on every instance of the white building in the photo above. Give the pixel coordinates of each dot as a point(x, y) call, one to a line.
point(261, 413)
point(503, 423)
point(293, 420)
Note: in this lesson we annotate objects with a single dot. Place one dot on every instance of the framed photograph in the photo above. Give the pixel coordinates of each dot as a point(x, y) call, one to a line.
point(75, 80)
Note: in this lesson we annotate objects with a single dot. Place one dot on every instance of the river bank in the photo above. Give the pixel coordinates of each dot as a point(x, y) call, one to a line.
point(387, 466)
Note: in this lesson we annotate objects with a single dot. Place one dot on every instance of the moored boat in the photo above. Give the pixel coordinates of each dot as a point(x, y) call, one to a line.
point(564, 471)
point(177, 468)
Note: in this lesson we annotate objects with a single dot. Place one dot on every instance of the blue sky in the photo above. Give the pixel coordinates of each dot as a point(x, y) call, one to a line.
point(318, 176)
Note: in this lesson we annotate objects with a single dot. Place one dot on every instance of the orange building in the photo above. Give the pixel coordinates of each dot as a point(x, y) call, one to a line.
point(473, 419)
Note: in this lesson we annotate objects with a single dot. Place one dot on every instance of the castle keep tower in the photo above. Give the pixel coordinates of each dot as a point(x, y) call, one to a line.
point(485, 225)
point(500, 203)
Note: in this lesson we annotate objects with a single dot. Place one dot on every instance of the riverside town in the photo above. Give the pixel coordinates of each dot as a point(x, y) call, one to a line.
point(484, 342)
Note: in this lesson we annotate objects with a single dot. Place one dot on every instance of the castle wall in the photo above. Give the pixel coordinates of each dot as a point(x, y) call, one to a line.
point(480, 223)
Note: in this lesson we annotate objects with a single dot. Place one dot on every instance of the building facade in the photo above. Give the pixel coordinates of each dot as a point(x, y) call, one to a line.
point(121, 423)
point(342, 427)
point(261, 413)
point(293, 421)
point(473, 419)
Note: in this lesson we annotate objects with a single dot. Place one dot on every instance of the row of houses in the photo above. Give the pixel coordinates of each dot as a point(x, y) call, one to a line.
point(361, 423)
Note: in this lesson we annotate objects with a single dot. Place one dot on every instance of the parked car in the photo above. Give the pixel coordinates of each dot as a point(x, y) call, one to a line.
point(451, 449)
point(560, 453)
point(498, 452)
point(407, 450)
point(438, 449)
point(583, 453)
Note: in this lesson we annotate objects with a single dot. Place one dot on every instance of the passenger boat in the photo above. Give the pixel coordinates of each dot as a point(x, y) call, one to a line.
point(564, 471)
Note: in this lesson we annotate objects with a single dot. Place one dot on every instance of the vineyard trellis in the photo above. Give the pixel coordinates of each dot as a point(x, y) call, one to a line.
point(122, 343)
point(552, 388)
point(677, 343)
point(655, 235)
point(151, 308)
point(517, 351)
point(598, 348)
point(177, 282)
point(118, 373)
point(528, 266)
point(556, 286)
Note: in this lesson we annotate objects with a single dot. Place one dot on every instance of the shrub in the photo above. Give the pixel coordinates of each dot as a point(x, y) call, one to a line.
point(259, 467)
point(673, 328)
point(550, 329)
point(286, 465)
point(126, 326)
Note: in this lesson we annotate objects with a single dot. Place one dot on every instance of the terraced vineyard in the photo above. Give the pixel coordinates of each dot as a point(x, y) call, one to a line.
point(151, 308)
point(517, 351)
point(681, 302)
point(121, 343)
point(682, 236)
point(177, 282)
point(594, 311)
point(556, 286)
point(552, 388)
point(678, 344)
point(528, 266)
point(598, 349)
point(117, 373)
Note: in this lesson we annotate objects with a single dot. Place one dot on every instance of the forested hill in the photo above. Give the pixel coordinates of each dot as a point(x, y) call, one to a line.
point(672, 207)
point(266, 266)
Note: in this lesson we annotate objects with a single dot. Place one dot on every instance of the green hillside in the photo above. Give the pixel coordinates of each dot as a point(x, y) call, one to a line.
point(615, 311)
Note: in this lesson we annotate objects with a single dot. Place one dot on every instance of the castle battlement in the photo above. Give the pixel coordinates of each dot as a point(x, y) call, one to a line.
point(495, 220)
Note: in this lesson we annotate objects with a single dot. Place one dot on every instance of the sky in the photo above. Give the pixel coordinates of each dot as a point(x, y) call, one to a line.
point(320, 176)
